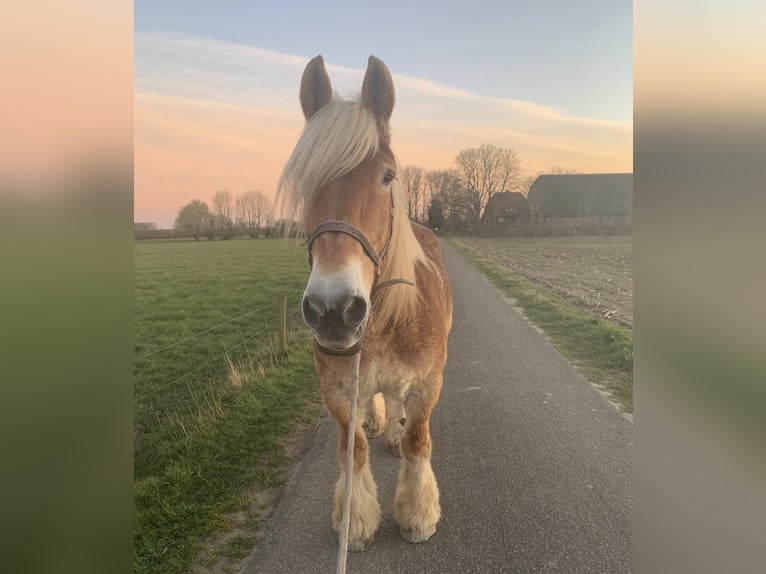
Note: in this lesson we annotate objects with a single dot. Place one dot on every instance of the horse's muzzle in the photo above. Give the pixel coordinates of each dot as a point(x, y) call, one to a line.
point(336, 323)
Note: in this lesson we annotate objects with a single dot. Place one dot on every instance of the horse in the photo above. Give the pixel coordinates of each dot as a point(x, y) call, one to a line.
point(378, 287)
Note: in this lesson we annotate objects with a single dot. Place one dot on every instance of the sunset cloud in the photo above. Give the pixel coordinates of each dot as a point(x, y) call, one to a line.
point(217, 115)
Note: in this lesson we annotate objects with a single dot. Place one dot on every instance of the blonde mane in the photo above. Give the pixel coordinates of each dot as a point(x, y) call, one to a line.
point(334, 141)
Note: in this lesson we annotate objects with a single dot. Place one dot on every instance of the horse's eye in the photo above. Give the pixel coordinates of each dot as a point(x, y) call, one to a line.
point(389, 177)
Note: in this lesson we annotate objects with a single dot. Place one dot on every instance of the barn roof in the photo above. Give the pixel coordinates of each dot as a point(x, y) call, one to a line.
point(507, 200)
point(582, 194)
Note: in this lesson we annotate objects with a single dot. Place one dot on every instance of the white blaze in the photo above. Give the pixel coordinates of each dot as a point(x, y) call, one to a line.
point(332, 288)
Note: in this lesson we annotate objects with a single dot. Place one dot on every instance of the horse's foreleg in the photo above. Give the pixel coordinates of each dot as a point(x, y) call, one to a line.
point(374, 419)
point(395, 419)
point(416, 505)
point(365, 510)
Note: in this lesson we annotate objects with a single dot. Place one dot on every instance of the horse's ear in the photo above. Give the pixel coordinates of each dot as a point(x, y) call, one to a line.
point(378, 89)
point(316, 91)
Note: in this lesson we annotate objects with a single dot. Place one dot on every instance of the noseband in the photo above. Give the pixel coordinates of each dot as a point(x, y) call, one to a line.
point(336, 226)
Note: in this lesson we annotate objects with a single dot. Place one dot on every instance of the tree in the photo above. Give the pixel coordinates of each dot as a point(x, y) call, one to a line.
point(527, 181)
point(144, 229)
point(223, 213)
point(253, 211)
point(557, 169)
point(264, 209)
point(412, 178)
point(435, 214)
point(485, 171)
point(192, 219)
point(445, 186)
point(246, 212)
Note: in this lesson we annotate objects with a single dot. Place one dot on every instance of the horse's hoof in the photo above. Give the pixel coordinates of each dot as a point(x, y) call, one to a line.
point(416, 536)
point(395, 449)
point(372, 429)
point(359, 545)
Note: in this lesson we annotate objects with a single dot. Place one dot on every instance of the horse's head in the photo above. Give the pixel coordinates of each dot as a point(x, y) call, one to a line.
point(348, 202)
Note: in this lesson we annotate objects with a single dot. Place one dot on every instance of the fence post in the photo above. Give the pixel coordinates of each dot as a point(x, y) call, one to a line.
point(283, 313)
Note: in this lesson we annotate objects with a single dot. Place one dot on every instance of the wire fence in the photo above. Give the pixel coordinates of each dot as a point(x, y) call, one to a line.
point(286, 318)
point(208, 330)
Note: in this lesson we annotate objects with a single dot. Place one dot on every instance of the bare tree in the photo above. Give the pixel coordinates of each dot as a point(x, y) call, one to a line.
point(223, 213)
point(485, 171)
point(557, 169)
point(254, 211)
point(527, 181)
point(192, 219)
point(246, 217)
point(431, 188)
point(144, 229)
point(263, 209)
point(445, 187)
point(413, 180)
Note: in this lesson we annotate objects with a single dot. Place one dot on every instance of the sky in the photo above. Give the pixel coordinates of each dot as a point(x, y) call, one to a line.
point(216, 86)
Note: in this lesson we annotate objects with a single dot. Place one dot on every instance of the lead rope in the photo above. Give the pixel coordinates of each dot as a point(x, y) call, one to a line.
point(346, 520)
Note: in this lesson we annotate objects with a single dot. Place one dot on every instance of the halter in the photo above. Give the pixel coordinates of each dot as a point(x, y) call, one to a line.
point(336, 226)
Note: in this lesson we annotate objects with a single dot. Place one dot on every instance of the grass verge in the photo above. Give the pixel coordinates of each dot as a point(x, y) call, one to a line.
point(600, 350)
point(215, 396)
point(214, 464)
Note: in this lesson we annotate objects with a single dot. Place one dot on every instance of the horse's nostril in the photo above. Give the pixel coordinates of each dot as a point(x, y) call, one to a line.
point(336, 318)
point(310, 313)
point(354, 311)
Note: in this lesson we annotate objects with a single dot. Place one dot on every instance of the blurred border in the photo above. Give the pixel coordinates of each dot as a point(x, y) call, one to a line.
point(66, 290)
point(66, 179)
point(700, 351)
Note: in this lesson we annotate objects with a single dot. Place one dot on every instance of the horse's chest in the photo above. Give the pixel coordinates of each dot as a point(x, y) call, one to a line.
point(389, 378)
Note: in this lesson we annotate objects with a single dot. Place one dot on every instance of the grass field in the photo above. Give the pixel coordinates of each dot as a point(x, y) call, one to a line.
point(578, 290)
point(214, 392)
point(215, 395)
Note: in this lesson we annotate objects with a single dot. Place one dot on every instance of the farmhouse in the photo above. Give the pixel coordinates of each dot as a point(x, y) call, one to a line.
point(582, 200)
point(506, 208)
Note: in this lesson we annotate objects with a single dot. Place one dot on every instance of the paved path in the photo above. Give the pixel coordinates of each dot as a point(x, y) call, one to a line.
point(533, 464)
